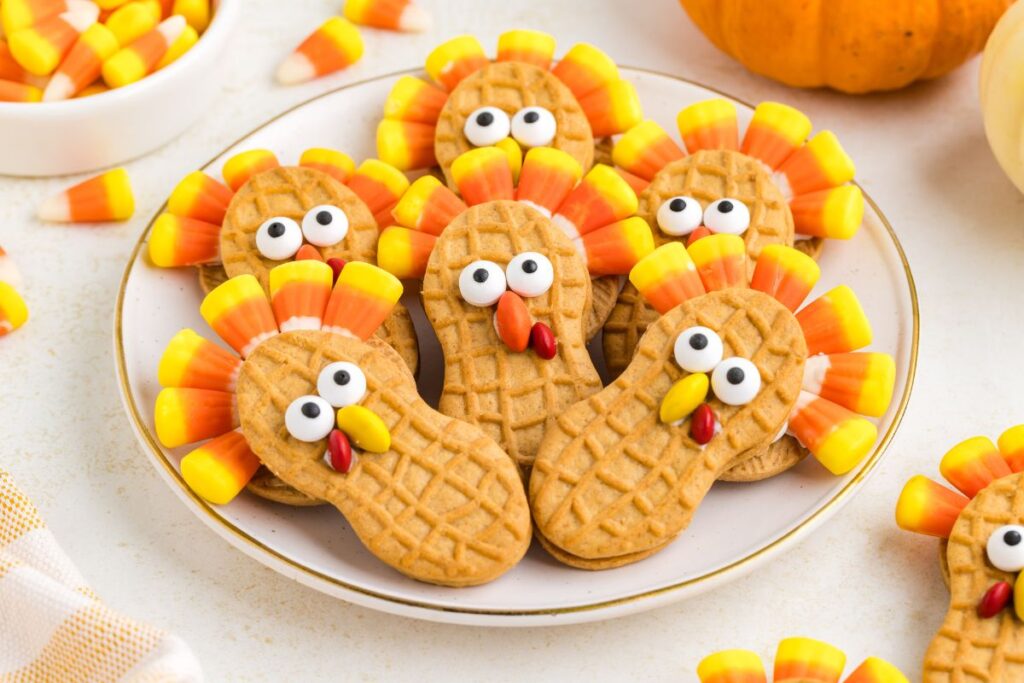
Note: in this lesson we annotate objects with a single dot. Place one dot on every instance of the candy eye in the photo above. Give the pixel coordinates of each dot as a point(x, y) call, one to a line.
point(481, 283)
point(1005, 548)
point(341, 384)
point(309, 418)
point(698, 349)
point(679, 216)
point(530, 274)
point(486, 126)
point(736, 381)
point(729, 216)
point(278, 238)
point(533, 127)
point(325, 225)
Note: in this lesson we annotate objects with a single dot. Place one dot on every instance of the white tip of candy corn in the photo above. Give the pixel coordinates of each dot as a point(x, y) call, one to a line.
point(295, 69)
point(171, 28)
point(81, 14)
point(59, 88)
point(414, 19)
point(56, 209)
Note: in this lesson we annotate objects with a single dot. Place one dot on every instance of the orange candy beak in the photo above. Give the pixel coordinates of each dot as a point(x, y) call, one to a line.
point(513, 321)
point(307, 252)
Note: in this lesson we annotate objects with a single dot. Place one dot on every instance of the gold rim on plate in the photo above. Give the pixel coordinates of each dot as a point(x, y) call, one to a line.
point(738, 565)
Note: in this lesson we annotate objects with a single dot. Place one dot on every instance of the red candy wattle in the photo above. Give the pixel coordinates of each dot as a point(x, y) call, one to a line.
point(702, 424)
point(994, 600)
point(542, 339)
point(340, 451)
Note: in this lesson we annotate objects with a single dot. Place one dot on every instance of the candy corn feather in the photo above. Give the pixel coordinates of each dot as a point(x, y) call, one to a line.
point(797, 660)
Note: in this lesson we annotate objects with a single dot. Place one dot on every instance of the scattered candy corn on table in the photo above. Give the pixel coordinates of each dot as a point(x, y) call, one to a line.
point(856, 581)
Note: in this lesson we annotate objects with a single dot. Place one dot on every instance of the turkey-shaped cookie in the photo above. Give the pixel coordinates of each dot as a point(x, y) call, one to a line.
point(982, 636)
point(339, 419)
point(506, 289)
point(720, 374)
point(797, 660)
point(517, 102)
point(772, 184)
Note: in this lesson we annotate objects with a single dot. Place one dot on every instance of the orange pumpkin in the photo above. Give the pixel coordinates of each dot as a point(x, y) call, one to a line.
point(855, 46)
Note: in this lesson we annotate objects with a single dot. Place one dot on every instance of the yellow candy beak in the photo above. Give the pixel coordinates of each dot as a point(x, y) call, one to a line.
point(515, 155)
point(1018, 597)
point(684, 397)
point(364, 428)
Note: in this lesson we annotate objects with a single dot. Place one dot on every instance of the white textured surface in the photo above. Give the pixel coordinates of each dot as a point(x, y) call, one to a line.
point(859, 582)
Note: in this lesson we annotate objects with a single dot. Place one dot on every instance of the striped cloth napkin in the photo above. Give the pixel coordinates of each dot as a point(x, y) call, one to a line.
point(54, 628)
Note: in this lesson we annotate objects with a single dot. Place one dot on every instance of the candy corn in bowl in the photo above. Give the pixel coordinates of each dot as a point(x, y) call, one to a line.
point(86, 84)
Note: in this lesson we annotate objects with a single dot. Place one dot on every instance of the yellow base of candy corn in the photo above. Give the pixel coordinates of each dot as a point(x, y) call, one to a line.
point(845, 447)
point(209, 478)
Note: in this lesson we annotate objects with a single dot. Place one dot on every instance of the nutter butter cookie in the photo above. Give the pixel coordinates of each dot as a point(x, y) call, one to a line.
point(336, 416)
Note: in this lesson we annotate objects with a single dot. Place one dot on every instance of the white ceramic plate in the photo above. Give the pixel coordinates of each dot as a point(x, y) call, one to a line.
point(316, 547)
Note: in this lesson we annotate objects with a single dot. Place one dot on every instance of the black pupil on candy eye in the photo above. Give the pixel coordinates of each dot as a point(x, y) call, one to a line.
point(341, 377)
point(698, 342)
point(484, 118)
point(531, 117)
point(480, 275)
point(324, 218)
point(1012, 537)
point(735, 376)
point(276, 229)
point(725, 206)
point(529, 266)
point(311, 410)
point(678, 205)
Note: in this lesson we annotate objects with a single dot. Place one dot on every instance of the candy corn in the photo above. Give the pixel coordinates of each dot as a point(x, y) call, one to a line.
point(413, 99)
point(405, 144)
point(362, 298)
point(452, 61)
point(18, 14)
point(721, 261)
point(12, 91)
point(645, 149)
point(667, 277)
point(837, 437)
point(835, 213)
point(787, 274)
point(244, 165)
point(133, 20)
point(238, 311)
point(546, 179)
point(926, 507)
point(427, 206)
point(200, 197)
point(710, 124)
point(584, 69)
point(179, 241)
point(41, 47)
point(731, 666)
point(94, 89)
point(875, 670)
point(1011, 445)
point(835, 323)
point(83, 64)
point(379, 185)
point(108, 5)
point(862, 382)
point(616, 248)
point(107, 197)
point(403, 252)
point(820, 164)
point(10, 70)
point(973, 464)
point(188, 415)
point(190, 361)
point(196, 13)
point(602, 197)
point(336, 164)
point(138, 59)
point(483, 175)
point(188, 38)
point(612, 108)
point(396, 15)
point(299, 291)
point(332, 47)
point(219, 469)
point(775, 132)
point(13, 311)
point(529, 47)
point(808, 661)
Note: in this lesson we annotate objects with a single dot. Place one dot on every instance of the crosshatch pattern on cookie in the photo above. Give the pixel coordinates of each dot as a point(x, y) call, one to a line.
point(610, 479)
point(510, 86)
point(510, 395)
point(967, 647)
point(291, 192)
point(438, 505)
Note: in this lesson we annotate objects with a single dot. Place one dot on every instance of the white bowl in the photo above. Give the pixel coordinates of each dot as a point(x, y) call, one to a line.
point(78, 135)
